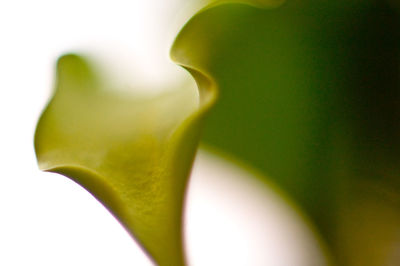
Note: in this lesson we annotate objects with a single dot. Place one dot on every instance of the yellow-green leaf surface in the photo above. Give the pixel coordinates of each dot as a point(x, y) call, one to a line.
point(309, 95)
point(132, 153)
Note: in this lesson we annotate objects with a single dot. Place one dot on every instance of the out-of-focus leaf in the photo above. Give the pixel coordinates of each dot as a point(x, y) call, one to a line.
point(310, 95)
point(132, 153)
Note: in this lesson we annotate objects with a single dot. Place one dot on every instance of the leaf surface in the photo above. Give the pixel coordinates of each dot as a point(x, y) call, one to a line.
point(309, 95)
point(133, 154)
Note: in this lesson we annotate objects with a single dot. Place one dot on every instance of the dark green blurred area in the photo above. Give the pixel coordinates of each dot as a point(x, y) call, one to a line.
point(310, 95)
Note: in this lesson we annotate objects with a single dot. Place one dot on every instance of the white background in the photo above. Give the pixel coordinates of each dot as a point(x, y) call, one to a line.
point(46, 219)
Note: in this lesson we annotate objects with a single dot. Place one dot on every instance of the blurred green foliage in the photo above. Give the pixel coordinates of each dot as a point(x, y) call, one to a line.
point(310, 95)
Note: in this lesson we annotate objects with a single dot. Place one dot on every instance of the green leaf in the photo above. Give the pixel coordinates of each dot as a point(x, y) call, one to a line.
point(133, 154)
point(309, 95)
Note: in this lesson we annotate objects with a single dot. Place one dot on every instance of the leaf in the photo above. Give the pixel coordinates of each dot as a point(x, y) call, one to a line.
point(133, 154)
point(309, 95)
